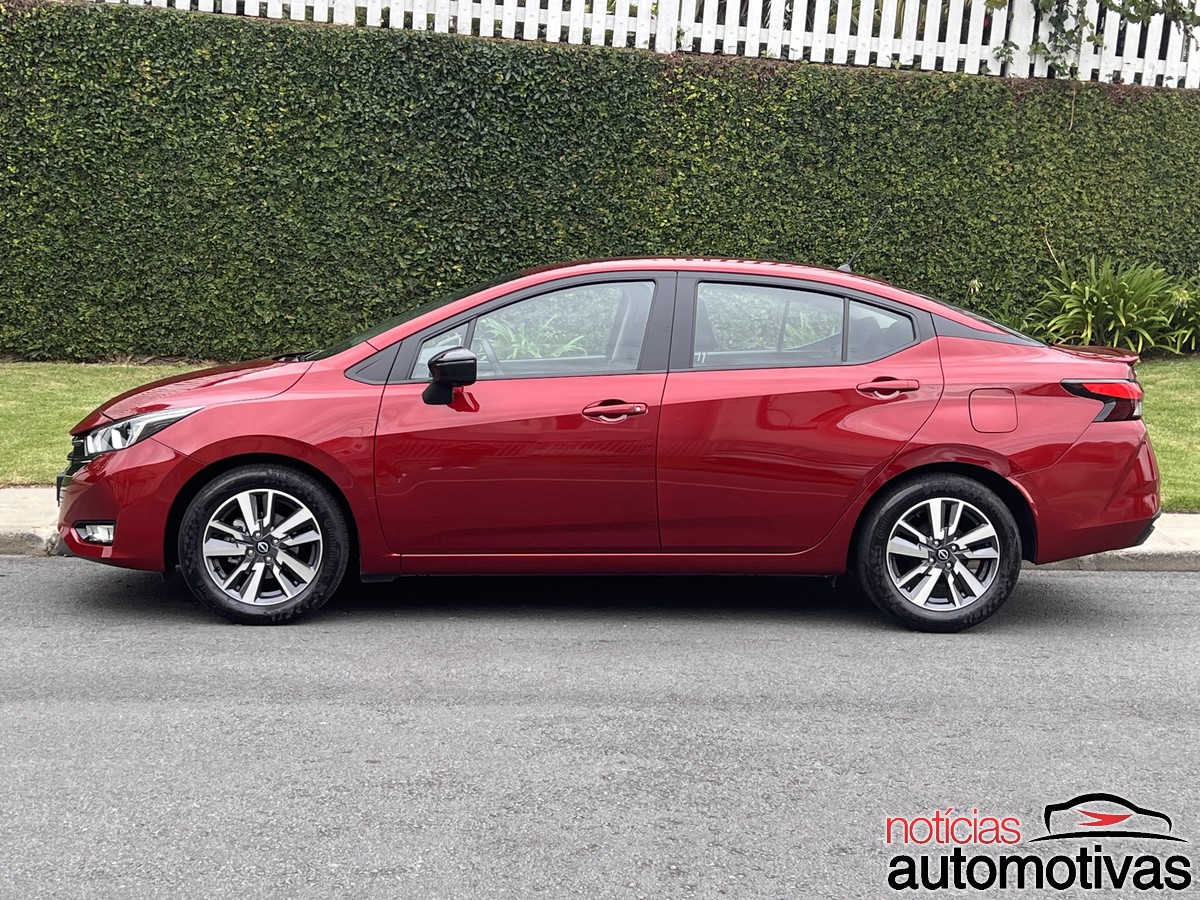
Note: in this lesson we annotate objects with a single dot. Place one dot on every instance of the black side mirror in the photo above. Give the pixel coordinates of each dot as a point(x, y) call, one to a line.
point(456, 367)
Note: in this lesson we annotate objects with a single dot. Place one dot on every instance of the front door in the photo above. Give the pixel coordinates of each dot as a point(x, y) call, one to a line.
point(552, 450)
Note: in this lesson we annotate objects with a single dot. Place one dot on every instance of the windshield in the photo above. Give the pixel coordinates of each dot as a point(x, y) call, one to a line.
point(419, 310)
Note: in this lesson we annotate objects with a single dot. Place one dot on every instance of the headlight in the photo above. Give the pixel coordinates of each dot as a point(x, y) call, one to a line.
point(127, 432)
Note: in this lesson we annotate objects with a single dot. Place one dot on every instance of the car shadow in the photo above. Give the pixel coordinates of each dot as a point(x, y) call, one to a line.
point(87, 592)
point(1036, 604)
point(616, 596)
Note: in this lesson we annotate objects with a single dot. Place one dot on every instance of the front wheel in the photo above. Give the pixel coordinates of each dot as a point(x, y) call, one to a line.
point(263, 545)
point(939, 553)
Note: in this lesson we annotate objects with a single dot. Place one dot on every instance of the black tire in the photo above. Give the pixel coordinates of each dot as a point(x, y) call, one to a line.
point(922, 583)
point(298, 570)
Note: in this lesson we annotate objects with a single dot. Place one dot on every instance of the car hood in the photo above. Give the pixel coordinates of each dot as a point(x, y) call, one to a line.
point(254, 380)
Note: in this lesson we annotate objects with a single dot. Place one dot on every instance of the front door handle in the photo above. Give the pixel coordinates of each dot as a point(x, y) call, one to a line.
point(888, 387)
point(614, 410)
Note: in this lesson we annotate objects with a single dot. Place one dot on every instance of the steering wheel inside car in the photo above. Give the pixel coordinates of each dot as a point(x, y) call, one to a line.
point(490, 352)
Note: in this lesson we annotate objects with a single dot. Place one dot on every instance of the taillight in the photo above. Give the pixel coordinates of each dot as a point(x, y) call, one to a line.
point(1122, 398)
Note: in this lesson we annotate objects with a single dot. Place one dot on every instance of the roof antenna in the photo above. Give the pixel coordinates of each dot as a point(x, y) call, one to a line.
point(847, 266)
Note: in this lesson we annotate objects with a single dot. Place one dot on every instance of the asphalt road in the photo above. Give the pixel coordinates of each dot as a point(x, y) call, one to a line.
point(491, 738)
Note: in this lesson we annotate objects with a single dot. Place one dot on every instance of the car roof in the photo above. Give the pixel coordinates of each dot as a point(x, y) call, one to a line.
point(837, 278)
point(740, 266)
point(722, 264)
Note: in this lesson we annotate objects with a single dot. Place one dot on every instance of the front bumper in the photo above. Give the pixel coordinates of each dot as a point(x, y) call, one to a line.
point(132, 488)
point(62, 481)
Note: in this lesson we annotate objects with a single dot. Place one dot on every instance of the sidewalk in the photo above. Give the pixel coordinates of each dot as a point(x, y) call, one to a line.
point(27, 521)
point(28, 516)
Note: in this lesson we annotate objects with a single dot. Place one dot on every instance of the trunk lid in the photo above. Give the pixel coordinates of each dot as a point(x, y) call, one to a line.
point(1109, 354)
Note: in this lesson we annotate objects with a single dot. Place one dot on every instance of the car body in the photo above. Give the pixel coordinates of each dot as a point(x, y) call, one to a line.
point(639, 416)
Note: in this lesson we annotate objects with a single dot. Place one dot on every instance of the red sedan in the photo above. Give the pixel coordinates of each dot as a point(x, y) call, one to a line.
point(629, 416)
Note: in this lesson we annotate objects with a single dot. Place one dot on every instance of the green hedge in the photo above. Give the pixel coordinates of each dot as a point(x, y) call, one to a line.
point(187, 184)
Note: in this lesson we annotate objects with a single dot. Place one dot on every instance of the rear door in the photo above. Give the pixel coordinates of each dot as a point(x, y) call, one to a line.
point(783, 399)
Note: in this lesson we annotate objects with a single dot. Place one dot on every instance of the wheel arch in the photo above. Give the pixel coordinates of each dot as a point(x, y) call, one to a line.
point(1010, 495)
point(206, 475)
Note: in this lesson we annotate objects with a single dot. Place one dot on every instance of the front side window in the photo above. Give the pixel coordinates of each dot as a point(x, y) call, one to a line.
point(388, 324)
point(584, 330)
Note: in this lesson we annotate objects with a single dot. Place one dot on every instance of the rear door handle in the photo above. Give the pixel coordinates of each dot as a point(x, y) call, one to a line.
point(888, 387)
point(614, 410)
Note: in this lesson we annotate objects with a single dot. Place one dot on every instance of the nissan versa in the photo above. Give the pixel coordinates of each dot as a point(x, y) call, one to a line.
point(629, 416)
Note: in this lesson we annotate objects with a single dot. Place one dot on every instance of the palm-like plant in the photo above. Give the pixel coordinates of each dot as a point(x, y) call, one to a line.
point(1117, 305)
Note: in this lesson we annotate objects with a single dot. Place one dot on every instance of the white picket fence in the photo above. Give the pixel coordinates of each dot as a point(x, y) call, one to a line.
point(943, 35)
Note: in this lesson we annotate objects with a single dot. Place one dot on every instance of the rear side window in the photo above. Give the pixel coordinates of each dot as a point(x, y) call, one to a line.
point(876, 332)
point(739, 325)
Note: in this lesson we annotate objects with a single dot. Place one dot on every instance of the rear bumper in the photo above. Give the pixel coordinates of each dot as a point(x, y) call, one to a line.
point(1076, 516)
point(1149, 530)
point(134, 489)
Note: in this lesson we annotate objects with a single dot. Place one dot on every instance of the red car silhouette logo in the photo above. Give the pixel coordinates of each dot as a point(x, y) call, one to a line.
point(1093, 816)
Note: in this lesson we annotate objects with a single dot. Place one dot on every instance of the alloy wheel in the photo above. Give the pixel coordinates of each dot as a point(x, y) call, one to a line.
point(943, 554)
point(262, 547)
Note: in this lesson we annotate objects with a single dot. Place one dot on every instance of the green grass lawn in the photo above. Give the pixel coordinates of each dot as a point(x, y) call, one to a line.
point(39, 402)
point(1173, 418)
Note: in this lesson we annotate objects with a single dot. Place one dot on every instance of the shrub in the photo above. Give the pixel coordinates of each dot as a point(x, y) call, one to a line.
point(1185, 316)
point(1129, 305)
point(187, 184)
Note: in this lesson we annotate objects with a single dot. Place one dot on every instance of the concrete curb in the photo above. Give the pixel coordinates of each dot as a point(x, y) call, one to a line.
point(1127, 561)
point(28, 516)
point(29, 542)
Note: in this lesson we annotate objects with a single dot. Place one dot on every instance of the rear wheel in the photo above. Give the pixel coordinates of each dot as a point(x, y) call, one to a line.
point(263, 545)
point(940, 552)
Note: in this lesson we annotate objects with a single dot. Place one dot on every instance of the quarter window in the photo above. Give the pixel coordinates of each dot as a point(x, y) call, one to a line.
point(876, 332)
point(447, 340)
